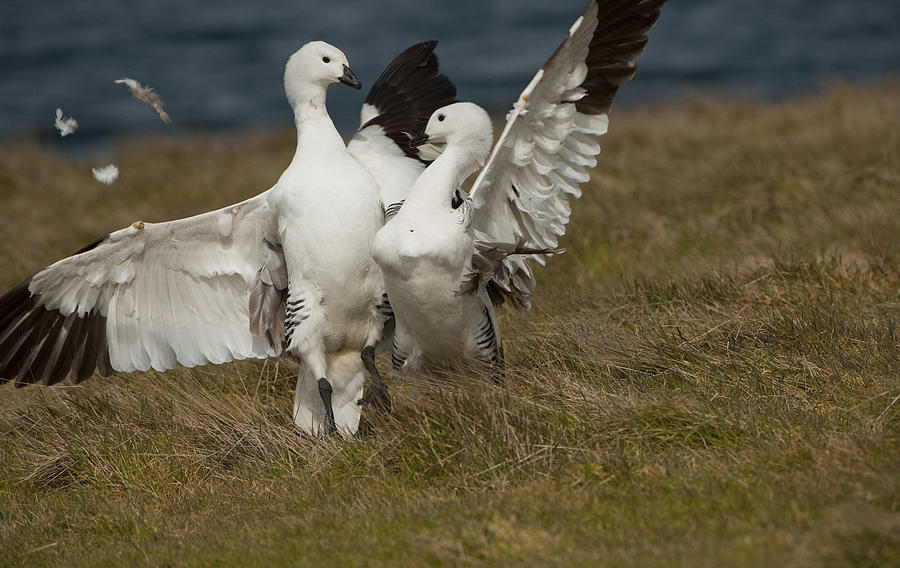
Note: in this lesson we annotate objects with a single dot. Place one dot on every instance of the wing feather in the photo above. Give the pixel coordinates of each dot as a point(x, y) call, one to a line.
point(397, 108)
point(151, 295)
point(82, 337)
point(61, 358)
point(546, 147)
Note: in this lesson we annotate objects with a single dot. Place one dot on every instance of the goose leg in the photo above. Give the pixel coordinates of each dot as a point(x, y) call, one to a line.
point(325, 393)
point(377, 393)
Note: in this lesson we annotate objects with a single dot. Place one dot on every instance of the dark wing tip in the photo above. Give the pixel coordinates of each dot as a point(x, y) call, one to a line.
point(407, 92)
point(42, 345)
point(617, 41)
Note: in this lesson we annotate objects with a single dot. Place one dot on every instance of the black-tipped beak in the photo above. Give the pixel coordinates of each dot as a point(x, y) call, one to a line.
point(418, 140)
point(350, 79)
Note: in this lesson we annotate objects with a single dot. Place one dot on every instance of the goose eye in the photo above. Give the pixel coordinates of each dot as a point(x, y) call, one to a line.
point(441, 118)
point(326, 59)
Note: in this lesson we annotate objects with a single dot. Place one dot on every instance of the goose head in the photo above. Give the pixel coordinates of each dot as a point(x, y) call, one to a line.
point(465, 127)
point(315, 66)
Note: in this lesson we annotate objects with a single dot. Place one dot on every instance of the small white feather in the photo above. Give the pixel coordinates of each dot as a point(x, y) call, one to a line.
point(66, 125)
point(106, 174)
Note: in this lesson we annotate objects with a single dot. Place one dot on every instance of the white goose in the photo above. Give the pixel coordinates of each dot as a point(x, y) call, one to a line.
point(446, 269)
point(287, 271)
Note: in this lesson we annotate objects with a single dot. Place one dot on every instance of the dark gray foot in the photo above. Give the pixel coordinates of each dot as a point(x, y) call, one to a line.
point(377, 394)
point(325, 393)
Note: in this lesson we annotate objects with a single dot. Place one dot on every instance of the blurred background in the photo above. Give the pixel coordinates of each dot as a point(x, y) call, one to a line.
point(218, 65)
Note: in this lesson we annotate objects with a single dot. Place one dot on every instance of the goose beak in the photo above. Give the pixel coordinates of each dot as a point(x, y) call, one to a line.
point(350, 79)
point(418, 140)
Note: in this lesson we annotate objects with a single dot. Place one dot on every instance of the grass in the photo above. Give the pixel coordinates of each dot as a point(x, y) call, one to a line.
point(710, 375)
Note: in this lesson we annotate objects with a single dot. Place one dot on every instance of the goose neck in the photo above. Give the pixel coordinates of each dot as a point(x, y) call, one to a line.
point(315, 129)
point(440, 180)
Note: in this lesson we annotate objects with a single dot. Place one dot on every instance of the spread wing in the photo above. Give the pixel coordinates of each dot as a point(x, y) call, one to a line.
point(397, 108)
point(548, 144)
point(149, 295)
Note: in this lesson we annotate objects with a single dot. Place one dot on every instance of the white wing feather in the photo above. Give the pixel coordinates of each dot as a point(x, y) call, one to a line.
point(547, 145)
point(174, 292)
point(523, 189)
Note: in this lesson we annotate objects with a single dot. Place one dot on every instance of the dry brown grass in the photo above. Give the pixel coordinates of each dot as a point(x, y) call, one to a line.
point(709, 376)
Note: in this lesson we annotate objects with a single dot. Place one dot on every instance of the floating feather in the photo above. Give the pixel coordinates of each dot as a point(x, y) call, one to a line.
point(106, 174)
point(65, 126)
point(145, 94)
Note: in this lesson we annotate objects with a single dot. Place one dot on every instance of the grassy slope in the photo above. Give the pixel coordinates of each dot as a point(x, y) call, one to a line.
point(710, 373)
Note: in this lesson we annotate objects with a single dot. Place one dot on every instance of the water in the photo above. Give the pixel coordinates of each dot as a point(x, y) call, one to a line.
point(218, 65)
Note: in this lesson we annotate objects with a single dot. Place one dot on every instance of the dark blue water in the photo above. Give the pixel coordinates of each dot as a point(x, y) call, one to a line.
point(218, 64)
